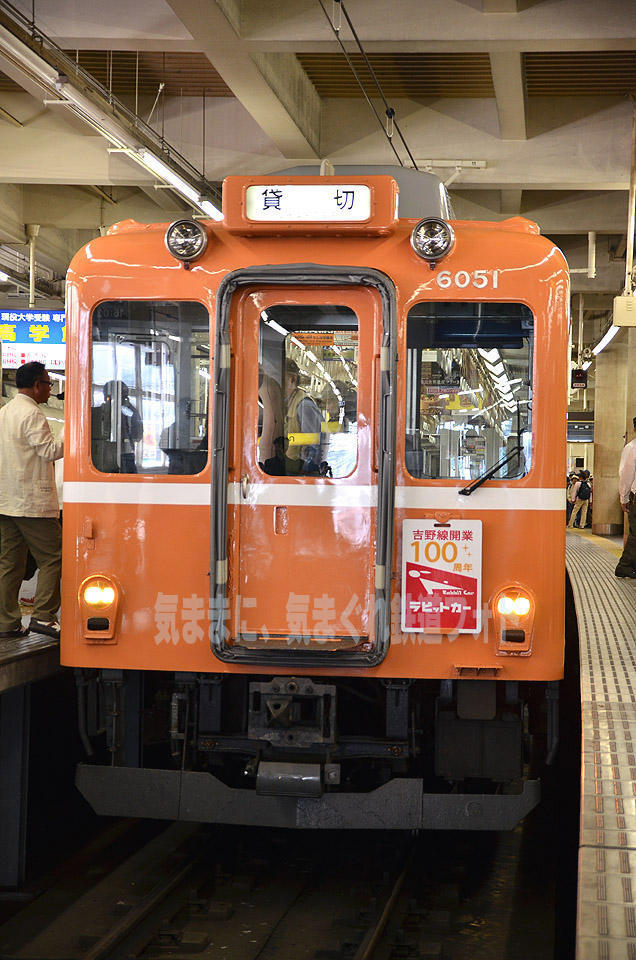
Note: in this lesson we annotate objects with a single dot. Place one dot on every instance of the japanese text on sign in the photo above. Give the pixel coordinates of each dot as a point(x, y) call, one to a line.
point(28, 335)
point(308, 202)
point(441, 576)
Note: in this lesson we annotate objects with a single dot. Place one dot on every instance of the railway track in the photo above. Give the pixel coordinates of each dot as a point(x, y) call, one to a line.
point(265, 895)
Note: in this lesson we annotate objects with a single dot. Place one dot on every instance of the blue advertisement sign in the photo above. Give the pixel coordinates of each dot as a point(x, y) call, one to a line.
point(32, 326)
point(27, 335)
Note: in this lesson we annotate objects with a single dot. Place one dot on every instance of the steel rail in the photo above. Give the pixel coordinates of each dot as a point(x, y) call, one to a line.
point(374, 933)
point(103, 949)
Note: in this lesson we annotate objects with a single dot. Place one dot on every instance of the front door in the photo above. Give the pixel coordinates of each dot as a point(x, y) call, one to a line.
point(303, 472)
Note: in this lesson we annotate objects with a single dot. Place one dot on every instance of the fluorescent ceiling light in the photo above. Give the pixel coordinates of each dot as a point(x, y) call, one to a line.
point(162, 170)
point(155, 165)
point(4, 277)
point(100, 118)
point(609, 336)
point(491, 355)
point(208, 207)
point(275, 326)
point(586, 365)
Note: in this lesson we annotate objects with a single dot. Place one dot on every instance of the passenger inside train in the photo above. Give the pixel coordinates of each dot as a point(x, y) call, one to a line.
point(150, 387)
point(315, 348)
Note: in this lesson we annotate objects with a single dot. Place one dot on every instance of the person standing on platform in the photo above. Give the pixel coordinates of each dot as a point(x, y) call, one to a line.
point(572, 480)
point(29, 508)
point(627, 492)
point(581, 492)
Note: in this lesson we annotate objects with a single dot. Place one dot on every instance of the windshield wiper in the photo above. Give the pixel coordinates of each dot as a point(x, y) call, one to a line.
point(466, 491)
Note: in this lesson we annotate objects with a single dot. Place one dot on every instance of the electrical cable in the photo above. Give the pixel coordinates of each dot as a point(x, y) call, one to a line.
point(361, 85)
point(390, 112)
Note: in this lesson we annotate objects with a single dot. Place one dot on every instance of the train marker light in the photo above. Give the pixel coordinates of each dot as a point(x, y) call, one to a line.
point(513, 614)
point(186, 240)
point(432, 239)
point(98, 598)
point(505, 605)
point(521, 606)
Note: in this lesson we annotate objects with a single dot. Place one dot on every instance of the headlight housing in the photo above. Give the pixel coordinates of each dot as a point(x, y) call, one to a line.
point(186, 240)
point(432, 238)
point(513, 609)
point(99, 599)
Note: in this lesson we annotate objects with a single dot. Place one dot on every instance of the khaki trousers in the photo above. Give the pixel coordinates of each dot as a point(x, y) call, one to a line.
point(580, 506)
point(43, 537)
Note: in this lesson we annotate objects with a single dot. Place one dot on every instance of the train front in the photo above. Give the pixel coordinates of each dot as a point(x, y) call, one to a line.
point(313, 511)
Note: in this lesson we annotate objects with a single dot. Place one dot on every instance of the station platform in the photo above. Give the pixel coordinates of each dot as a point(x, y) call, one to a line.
point(22, 662)
point(606, 617)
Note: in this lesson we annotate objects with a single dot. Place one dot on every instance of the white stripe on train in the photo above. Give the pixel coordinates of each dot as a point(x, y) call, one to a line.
point(325, 494)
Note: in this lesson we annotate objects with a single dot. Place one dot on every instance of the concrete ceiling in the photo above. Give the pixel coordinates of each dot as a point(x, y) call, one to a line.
point(538, 91)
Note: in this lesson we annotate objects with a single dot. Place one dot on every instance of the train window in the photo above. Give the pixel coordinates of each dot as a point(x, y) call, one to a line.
point(469, 390)
point(308, 391)
point(149, 406)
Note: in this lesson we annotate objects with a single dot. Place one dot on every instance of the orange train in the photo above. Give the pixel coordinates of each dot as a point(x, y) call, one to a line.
point(313, 510)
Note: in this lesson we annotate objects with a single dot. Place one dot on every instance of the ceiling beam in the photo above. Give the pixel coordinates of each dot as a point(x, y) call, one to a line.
point(500, 6)
point(511, 202)
point(508, 81)
point(272, 87)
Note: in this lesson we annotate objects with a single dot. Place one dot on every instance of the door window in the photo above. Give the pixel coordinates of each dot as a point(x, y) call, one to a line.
point(308, 391)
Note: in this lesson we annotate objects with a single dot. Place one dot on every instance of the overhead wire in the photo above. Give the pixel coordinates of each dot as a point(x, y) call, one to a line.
point(389, 110)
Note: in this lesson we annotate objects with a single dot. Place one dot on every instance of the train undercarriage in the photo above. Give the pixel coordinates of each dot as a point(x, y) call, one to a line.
point(292, 751)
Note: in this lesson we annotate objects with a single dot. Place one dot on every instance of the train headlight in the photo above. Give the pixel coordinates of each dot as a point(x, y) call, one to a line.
point(513, 615)
point(99, 598)
point(505, 605)
point(98, 595)
point(186, 240)
point(521, 606)
point(432, 239)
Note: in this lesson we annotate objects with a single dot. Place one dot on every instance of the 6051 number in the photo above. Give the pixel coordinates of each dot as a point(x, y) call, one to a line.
point(462, 279)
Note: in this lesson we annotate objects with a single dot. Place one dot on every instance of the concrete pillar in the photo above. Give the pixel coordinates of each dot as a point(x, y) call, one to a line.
point(615, 405)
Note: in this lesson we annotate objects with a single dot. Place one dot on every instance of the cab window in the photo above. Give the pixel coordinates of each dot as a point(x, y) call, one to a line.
point(308, 391)
point(150, 376)
point(468, 390)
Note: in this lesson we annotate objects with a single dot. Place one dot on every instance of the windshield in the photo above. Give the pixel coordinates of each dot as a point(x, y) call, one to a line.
point(468, 390)
point(149, 402)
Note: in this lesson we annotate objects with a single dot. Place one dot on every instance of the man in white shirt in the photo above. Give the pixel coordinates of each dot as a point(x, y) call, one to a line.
point(29, 508)
point(627, 493)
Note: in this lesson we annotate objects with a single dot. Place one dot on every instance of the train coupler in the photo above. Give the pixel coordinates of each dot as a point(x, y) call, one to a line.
point(292, 712)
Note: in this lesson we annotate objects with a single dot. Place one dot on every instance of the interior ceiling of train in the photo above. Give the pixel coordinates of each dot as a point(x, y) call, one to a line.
point(524, 107)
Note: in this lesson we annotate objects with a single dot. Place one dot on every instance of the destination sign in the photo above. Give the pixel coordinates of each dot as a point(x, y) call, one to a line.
point(318, 202)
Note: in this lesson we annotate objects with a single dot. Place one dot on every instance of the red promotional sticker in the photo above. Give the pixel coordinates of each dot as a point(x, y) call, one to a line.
point(441, 576)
